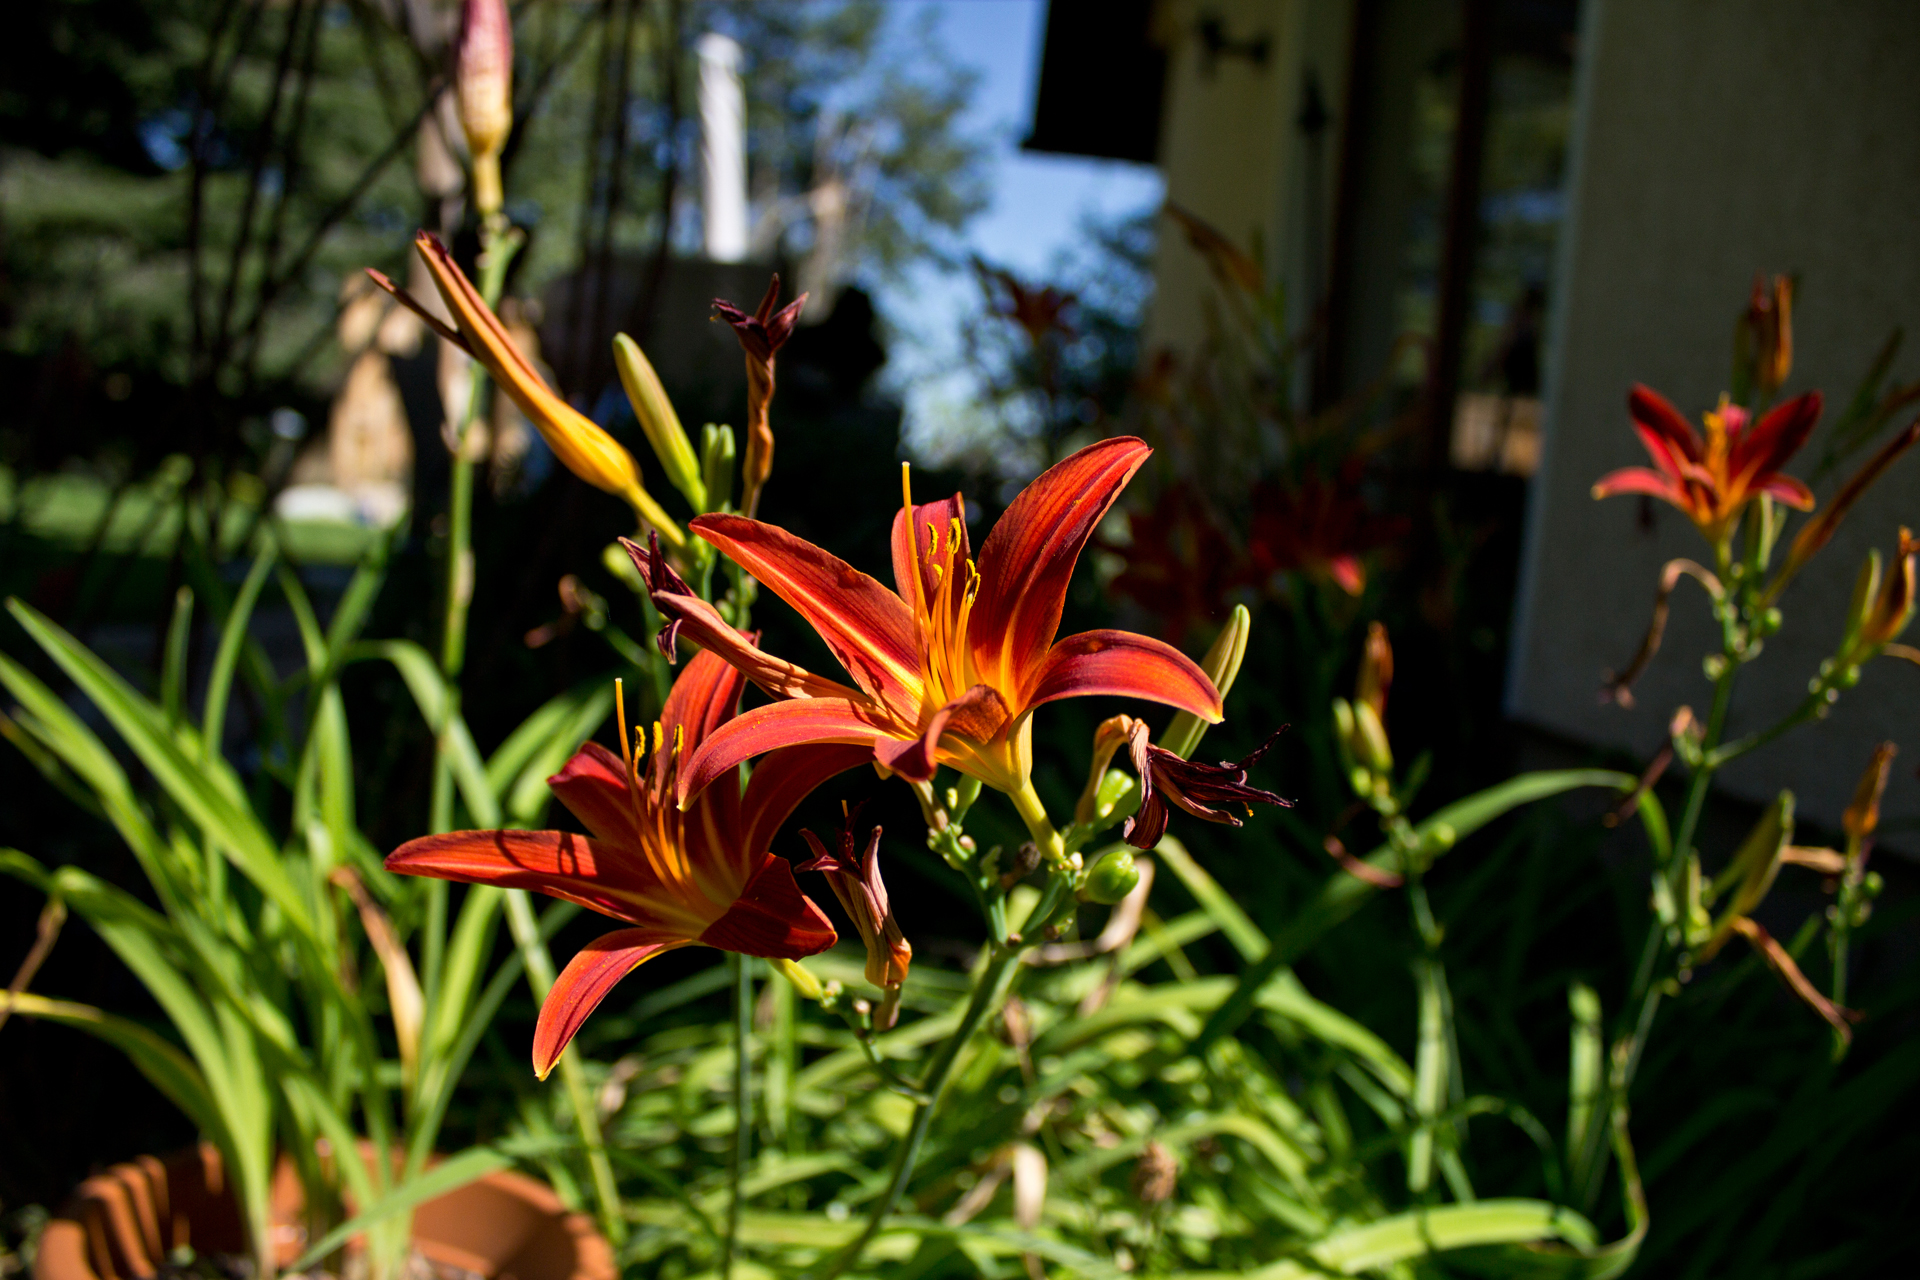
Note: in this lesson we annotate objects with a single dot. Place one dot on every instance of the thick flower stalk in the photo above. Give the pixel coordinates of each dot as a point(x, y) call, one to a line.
point(699, 876)
point(483, 85)
point(582, 446)
point(854, 876)
point(948, 668)
point(762, 332)
point(1713, 479)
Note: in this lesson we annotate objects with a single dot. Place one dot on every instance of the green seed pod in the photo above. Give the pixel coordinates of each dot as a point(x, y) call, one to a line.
point(1112, 878)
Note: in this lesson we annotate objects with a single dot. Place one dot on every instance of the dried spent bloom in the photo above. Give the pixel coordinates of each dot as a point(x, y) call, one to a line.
point(483, 85)
point(1155, 1175)
point(762, 333)
point(582, 446)
point(949, 667)
point(854, 877)
point(1713, 480)
point(701, 875)
point(1202, 790)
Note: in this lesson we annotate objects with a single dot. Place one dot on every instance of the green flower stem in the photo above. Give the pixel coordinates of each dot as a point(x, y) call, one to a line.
point(995, 977)
point(540, 977)
point(742, 1102)
point(1026, 802)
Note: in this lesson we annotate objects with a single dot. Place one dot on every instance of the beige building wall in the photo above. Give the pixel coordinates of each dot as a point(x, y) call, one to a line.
point(1714, 138)
point(1230, 147)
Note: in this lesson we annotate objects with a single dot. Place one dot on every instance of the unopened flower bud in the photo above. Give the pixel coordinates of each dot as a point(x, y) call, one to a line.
point(659, 421)
point(1376, 671)
point(483, 83)
point(716, 464)
point(1763, 341)
point(1112, 878)
point(1222, 665)
point(1863, 813)
point(581, 444)
point(1370, 739)
point(1893, 603)
point(1108, 737)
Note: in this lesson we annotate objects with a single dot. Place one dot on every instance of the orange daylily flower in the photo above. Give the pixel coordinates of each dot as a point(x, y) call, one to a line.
point(582, 446)
point(949, 668)
point(1713, 480)
point(702, 876)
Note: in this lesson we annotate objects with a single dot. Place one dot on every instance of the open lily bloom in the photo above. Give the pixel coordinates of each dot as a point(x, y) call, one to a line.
point(699, 876)
point(1713, 480)
point(948, 668)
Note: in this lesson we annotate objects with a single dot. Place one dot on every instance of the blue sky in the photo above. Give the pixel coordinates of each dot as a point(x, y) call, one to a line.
point(1039, 202)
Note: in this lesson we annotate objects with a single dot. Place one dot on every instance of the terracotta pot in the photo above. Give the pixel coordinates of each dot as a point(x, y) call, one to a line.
point(122, 1224)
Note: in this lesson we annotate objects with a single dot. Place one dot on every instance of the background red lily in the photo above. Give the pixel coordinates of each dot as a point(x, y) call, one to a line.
point(1712, 480)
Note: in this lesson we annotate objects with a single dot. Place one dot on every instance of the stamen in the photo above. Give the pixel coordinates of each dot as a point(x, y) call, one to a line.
point(620, 718)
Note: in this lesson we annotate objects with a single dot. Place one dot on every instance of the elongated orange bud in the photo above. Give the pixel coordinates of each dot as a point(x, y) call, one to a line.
point(577, 440)
point(483, 82)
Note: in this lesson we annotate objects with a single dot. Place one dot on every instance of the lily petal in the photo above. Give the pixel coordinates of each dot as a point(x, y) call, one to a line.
point(911, 563)
point(1028, 560)
point(1126, 665)
point(702, 624)
point(869, 630)
point(1775, 438)
point(786, 777)
point(593, 786)
point(783, 724)
point(585, 982)
point(772, 918)
point(1640, 480)
point(703, 698)
point(1790, 491)
point(978, 714)
point(599, 876)
point(1655, 412)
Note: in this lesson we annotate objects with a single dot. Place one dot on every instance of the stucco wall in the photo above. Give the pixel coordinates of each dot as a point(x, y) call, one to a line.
point(1714, 138)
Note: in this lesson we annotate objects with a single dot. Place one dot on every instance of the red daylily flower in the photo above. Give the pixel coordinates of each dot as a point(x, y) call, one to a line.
point(1322, 530)
point(699, 876)
point(1713, 480)
point(950, 667)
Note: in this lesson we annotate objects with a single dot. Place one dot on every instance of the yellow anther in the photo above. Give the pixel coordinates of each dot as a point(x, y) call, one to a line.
point(680, 738)
point(659, 736)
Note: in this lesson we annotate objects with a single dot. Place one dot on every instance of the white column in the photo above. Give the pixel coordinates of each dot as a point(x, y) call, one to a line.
point(723, 149)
